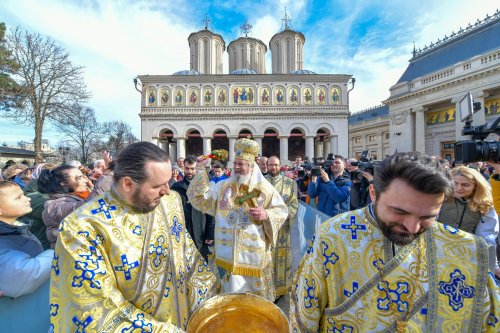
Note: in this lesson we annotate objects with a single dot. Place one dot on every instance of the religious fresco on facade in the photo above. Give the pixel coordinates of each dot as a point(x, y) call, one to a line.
point(243, 95)
point(152, 96)
point(207, 96)
point(221, 96)
point(440, 117)
point(335, 95)
point(293, 96)
point(193, 96)
point(264, 96)
point(164, 96)
point(307, 96)
point(179, 96)
point(492, 106)
point(321, 96)
point(279, 96)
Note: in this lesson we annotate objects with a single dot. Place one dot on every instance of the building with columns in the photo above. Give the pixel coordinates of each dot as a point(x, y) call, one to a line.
point(424, 103)
point(369, 130)
point(290, 112)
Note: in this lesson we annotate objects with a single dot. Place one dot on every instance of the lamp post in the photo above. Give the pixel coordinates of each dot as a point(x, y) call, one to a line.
point(137, 83)
point(64, 151)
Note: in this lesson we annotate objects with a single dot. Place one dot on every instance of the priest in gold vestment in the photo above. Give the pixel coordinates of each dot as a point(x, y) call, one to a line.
point(282, 251)
point(248, 214)
point(124, 261)
point(390, 267)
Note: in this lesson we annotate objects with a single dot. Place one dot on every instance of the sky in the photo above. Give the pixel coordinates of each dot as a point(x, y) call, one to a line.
point(116, 40)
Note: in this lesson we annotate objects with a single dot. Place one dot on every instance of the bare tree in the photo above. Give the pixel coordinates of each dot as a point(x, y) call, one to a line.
point(119, 135)
point(50, 83)
point(82, 130)
point(8, 67)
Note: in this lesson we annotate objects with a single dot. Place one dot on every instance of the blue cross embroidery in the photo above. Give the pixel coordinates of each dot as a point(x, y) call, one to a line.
point(336, 328)
point(348, 293)
point(157, 250)
point(176, 229)
point(353, 227)
point(492, 320)
point(456, 289)
point(103, 209)
point(80, 325)
point(393, 296)
point(139, 325)
point(55, 264)
point(54, 308)
point(309, 294)
point(87, 274)
point(126, 267)
point(328, 258)
point(450, 229)
point(94, 257)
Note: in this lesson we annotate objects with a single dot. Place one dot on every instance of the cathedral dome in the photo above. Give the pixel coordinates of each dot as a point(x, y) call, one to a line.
point(187, 72)
point(244, 71)
point(302, 71)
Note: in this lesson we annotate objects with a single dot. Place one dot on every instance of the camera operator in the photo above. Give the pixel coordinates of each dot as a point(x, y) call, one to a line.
point(303, 180)
point(361, 180)
point(331, 186)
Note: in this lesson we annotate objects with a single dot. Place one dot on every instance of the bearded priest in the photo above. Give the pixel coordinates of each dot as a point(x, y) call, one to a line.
point(248, 213)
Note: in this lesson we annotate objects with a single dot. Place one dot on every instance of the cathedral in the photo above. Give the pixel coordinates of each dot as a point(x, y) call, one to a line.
point(289, 112)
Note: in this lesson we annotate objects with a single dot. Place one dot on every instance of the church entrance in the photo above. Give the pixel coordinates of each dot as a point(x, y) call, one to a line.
point(270, 143)
point(194, 143)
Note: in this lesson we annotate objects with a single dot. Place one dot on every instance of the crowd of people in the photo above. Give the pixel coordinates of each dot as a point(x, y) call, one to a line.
point(141, 242)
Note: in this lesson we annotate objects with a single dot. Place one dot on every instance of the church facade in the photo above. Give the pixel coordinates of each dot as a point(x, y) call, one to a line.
point(422, 112)
point(424, 104)
point(290, 112)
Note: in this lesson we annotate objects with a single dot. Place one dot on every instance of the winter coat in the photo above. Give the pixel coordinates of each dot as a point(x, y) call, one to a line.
point(24, 266)
point(333, 196)
point(56, 209)
point(200, 226)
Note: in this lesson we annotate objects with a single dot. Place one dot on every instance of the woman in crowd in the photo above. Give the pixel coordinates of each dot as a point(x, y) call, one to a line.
point(67, 188)
point(471, 209)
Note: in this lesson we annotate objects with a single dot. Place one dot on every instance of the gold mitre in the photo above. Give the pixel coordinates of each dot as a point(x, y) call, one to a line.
point(246, 149)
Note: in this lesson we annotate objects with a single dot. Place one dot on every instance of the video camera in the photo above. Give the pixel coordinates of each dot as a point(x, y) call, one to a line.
point(478, 148)
point(365, 164)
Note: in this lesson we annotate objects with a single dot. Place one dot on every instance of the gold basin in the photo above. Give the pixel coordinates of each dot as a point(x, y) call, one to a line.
point(238, 312)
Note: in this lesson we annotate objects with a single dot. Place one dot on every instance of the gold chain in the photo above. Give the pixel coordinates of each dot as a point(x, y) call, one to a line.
point(402, 323)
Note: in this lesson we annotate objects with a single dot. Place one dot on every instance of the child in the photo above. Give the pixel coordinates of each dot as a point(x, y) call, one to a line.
point(24, 266)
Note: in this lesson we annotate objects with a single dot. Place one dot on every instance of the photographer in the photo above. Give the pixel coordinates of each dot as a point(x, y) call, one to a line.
point(332, 188)
point(303, 180)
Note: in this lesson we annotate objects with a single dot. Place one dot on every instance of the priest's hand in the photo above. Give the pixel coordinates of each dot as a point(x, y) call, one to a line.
point(202, 161)
point(258, 214)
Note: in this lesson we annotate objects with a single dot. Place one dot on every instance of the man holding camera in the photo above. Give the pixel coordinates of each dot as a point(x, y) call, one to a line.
point(332, 188)
point(361, 180)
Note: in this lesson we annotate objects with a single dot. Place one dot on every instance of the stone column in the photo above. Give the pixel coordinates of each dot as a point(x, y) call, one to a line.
point(283, 149)
point(309, 147)
point(232, 141)
point(420, 130)
point(326, 147)
point(181, 147)
point(380, 143)
point(334, 145)
point(172, 151)
point(207, 145)
point(319, 149)
point(258, 139)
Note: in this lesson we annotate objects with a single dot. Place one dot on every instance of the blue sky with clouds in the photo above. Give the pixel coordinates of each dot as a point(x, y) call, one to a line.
point(117, 40)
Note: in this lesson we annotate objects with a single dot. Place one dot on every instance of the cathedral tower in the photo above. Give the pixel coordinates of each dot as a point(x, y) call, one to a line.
point(247, 53)
point(287, 49)
point(206, 51)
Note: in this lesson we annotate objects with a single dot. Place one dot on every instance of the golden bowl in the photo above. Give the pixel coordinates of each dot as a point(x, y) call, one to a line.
point(238, 312)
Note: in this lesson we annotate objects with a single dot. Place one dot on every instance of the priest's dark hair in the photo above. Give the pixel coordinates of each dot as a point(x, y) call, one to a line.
point(132, 159)
point(423, 173)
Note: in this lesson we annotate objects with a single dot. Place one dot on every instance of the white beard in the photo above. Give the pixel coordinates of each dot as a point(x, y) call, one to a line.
point(240, 179)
